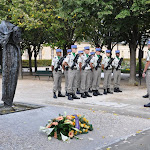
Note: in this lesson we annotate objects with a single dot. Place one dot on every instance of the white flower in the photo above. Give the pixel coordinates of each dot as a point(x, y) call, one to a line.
point(64, 138)
point(46, 130)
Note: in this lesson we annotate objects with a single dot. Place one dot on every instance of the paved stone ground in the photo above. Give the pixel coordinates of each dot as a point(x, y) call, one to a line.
point(114, 117)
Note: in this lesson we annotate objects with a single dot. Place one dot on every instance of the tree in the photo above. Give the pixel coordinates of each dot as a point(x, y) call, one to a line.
point(132, 17)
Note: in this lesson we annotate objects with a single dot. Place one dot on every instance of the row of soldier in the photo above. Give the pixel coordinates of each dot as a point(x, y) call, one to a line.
point(82, 72)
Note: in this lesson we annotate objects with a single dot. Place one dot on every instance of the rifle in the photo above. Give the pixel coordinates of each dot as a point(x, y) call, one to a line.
point(98, 62)
point(59, 63)
point(75, 61)
point(119, 63)
point(87, 61)
point(66, 68)
point(109, 63)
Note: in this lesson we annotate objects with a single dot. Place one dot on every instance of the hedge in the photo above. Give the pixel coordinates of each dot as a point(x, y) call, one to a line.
point(40, 63)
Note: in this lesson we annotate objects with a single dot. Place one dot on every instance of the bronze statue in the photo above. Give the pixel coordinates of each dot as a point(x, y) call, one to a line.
point(10, 38)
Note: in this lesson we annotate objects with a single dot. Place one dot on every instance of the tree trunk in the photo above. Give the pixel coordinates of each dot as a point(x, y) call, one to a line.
point(35, 58)
point(132, 47)
point(30, 57)
point(64, 50)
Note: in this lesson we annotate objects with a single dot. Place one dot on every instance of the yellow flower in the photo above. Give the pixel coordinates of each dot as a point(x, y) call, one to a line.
point(59, 17)
point(73, 124)
point(86, 126)
point(73, 117)
point(75, 132)
point(84, 119)
point(8, 9)
point(82, 125)
point(79, 115)
point(80, 131)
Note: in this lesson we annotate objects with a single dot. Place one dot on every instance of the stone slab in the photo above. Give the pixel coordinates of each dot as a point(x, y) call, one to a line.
point(20, 131)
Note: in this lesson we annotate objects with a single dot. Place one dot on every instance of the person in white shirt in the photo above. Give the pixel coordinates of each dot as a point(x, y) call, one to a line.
point(70, 61)
point(146, 73)
point(84, 63)
point(57, 74)
point(107, 72)
point(117, 71)
point(96, 67)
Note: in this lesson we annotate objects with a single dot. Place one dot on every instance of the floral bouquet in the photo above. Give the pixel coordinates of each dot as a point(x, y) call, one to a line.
point(66, 127)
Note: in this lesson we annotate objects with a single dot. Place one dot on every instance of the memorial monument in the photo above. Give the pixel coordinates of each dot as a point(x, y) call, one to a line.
point(10, 38)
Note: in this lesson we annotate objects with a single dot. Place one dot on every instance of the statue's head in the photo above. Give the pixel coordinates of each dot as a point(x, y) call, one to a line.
point(9, 30)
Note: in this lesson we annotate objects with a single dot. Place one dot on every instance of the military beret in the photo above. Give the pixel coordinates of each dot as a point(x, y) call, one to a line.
point(148, 42)
point(58, 50)
point(92, 53)
point(108, 51)
point(86, 48)
point(117, 51)
point(69, 50)
point(73, 46)
point(98, 49)
point(80, 52)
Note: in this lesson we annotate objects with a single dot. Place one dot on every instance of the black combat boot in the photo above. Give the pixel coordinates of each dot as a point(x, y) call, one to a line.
point(95, 93)
point(90, 91)
point(69, 97)
point(66, 93)
point(60, 95)
point(78, 92)
point(115, 90)
point(75, 97)
point(83, 95)
point(98, 93)
point(105, 92)
point(146, 96)
point(108, 91)
point(87, 94)
point(147, 105)
point(119, 90)
point(54, 95)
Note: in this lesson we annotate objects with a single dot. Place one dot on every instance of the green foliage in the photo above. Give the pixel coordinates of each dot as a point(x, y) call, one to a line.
point(40, 63)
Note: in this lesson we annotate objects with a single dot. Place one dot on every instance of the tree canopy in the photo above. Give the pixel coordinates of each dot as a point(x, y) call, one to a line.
point(60, 23)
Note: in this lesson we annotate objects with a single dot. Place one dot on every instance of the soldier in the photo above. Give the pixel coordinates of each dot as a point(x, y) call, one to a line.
point(107, 67)
point(147, 71)
point(65, 68)
point(84, 63)
point(57, 74)
point(78, 80)
point(71, 60)
point(91, 74)
point(117, 71)
point(96, 66)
